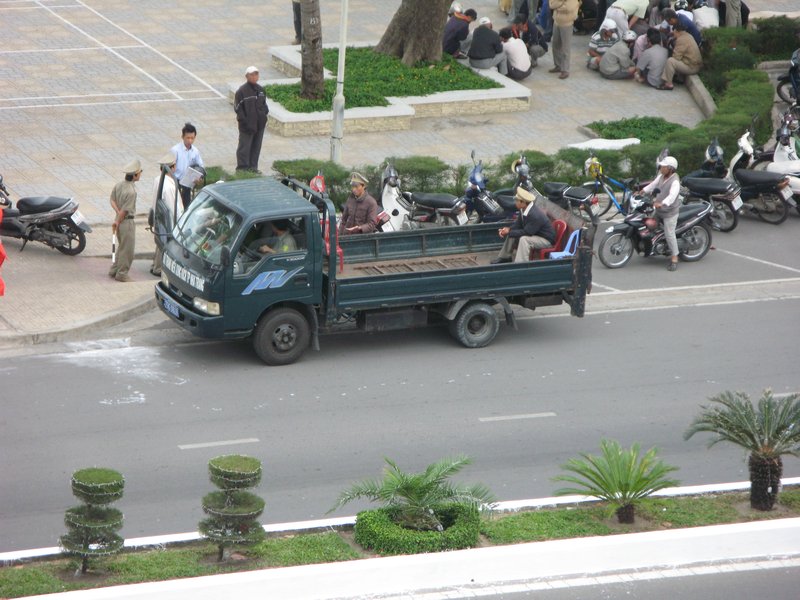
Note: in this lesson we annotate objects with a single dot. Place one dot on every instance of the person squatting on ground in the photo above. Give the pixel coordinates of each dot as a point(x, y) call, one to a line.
point(600, 42)
point(525, 29)
point(564, 14)
point(531, 229)
point(519, 61)
point(250, 105)
point(617, 63)
point(650, 65)
point(168, 192)
point(456, 39)
point(360, 211)
point(486, 50)
point(123, 201)
point(187, 155)
point(667, 204)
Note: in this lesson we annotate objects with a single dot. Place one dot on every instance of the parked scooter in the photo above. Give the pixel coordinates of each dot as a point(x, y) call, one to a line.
point(789, 83)
point(54, 221)
point(786, 159)
point(484, 206)
point(642, 232)
point(414, 210)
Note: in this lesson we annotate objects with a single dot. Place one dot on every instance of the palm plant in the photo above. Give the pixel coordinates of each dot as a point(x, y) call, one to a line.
point(767, 433)
point(618, 476)
point(415, 496)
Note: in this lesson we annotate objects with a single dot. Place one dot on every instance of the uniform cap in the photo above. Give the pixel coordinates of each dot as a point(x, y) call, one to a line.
point(132, 167)
point(168, 159)
point(524, 195)
point(358, 178)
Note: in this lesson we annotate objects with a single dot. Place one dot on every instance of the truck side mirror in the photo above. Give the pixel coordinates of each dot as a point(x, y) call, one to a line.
point(225, 256)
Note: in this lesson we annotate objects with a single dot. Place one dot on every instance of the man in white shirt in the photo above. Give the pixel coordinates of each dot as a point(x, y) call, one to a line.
point(705, 16)
point(173, 205)
point(187, 155)
point(519, 61)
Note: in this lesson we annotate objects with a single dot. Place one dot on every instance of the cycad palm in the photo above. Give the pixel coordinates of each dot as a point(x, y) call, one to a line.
point(415, 496)
point(618, 476)
point(771, 431)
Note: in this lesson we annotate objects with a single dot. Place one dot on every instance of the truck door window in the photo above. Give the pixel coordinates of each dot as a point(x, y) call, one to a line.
point(270, 240)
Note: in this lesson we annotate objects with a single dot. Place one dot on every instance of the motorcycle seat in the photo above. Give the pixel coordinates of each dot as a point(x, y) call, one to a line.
point(578, 193)
point(432, 200)
point(707, 185)
point(507, 202)
point(688, 211)
point(750, 177)
point(40, 204)
point(10, 213)
point(554, 188)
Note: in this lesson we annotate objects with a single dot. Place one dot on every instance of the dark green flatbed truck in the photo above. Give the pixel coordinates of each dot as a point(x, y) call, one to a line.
point(230, 271)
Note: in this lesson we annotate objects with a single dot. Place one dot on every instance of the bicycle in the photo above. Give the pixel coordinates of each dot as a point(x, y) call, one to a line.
point(603, 197)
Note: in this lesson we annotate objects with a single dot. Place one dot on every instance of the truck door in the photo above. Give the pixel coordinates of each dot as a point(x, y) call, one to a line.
point(272, 263)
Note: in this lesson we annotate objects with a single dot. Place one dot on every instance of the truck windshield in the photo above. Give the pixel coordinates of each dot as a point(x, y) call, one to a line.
point(206, 227)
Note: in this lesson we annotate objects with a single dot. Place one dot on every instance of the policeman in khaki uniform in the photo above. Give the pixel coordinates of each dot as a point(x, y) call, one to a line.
point(123, 201)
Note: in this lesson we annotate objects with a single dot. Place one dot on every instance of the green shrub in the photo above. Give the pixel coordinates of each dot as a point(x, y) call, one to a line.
point(306, 549)
point(775, 37)
point(422, 173)
point(337, 177)
point(647, 129)
point(377, 530)
point(717, 38)
point(720, 62)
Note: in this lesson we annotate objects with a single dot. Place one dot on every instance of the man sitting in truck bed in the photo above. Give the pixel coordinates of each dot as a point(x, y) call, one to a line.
point(531, 229)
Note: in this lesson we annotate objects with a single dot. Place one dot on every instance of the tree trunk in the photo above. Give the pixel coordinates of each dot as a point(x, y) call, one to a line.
point(765, 481)
point(312, 85)
point(415, 32)
point(625, 513)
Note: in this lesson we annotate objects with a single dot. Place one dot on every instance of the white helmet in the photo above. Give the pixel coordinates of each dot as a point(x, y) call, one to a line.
point(456, 7)
point(629, 36)
point(681, 5)
point(669, 161)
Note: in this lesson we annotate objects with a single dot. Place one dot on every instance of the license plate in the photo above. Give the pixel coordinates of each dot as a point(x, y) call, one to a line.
point(172, 308)
point(737, 203)
point(786, 192)
point(462, 217)
point(77, 217)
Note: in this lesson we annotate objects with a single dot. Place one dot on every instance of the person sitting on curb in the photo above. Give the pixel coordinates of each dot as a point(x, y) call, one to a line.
point(651, 64)
point(531, 229)
point(600, 42)
point(617, 62)
point(519, 61)
point(685, 60)
point(528, 32)
point(486, 50)
point(457, 39)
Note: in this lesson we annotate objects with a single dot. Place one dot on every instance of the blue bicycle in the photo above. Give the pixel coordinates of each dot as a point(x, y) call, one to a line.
point(602, 186)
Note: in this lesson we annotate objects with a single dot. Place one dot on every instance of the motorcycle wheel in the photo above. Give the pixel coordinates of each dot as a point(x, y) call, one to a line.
point(615, 250)
point(77, 238)
point(786, 92)
point(600, 202)
point(775, 211)
point(723, 217)
point(699, 240)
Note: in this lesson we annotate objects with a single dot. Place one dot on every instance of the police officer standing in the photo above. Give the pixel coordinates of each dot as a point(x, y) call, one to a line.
point(250, 105)
point(123, 201)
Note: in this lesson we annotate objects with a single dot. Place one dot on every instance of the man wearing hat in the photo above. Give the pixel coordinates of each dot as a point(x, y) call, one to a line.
point(532, 229)
point(123, 201)
point(169, 197)
point(360, 211)
point(250, 105)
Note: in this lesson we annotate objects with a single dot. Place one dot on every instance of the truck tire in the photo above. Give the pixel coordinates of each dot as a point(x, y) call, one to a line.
point(476, 325)
point(281, 336)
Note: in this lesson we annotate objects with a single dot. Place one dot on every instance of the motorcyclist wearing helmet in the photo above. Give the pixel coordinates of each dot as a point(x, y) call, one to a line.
point(617, 63)
point(666, 188)
point(682, 8)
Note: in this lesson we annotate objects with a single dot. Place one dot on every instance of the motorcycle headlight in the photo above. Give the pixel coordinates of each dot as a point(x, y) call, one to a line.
point(210, 308)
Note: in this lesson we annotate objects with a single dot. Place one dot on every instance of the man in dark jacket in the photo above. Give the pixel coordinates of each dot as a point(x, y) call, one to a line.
point(250, 105)
point(456, 33)
point(360, 211)
point(486, 49)
point(532, 229)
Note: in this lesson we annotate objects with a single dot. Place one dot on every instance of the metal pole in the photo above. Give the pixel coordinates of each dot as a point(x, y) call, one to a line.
point(337, 126)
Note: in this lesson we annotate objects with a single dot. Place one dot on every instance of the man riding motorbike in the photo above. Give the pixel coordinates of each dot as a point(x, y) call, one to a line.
point(666, 187)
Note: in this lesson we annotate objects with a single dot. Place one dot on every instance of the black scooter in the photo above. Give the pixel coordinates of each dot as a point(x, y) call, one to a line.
point(54, 221)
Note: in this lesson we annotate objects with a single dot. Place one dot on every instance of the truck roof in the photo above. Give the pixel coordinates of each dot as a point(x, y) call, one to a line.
point(260, 195)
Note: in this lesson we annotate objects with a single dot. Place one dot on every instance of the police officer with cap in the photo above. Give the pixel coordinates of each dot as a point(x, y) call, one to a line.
point(360, 212)
point(532, 229)
point(123, 201)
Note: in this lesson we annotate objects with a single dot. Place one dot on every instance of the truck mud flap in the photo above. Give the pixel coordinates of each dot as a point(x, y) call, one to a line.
point(581, 280)
point(511, 319)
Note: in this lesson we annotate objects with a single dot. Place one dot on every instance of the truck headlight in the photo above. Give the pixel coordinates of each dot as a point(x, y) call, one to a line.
point(164, 279)
point(210, 308)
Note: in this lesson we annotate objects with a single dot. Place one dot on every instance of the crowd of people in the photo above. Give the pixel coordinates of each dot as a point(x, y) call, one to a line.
point(654, 42)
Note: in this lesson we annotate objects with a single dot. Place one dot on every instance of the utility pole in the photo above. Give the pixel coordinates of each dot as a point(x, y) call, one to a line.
point(337, 126)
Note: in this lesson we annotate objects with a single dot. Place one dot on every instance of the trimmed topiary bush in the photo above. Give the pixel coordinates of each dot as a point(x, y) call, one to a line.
point(776, 37)
point(233, 512)
point(93, 526)
point(378, 531)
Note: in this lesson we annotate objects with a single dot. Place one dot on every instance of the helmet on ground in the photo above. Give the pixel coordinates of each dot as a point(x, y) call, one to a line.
point(629, 36)
point(681, 5)
point(669, 161)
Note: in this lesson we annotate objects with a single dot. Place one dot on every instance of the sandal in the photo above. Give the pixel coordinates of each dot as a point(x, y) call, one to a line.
point(672, 266)
point(666, 86)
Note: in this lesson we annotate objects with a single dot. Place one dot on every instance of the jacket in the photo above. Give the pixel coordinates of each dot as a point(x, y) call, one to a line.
point(535, 222)
point(564, 12)
point(250, 105)
point(361, 211)
point(687, 52)
point(485, 43)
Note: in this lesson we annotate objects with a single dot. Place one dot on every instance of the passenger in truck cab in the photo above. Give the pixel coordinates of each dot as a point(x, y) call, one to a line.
point(281, 241)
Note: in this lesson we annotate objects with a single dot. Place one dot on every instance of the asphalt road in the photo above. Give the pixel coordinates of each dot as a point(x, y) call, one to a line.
point(157, 405)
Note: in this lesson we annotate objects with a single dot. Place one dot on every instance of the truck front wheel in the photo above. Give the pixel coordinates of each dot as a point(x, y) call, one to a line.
point(281, 336)
point(476, 325)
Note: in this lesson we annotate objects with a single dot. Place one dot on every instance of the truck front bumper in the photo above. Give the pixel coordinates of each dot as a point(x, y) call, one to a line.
point(199, 324)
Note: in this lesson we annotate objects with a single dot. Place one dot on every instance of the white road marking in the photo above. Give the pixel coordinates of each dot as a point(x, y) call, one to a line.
point(705, 286)
point(785, 394)
point(85, 49)
point(104, 103)
point(758, 260)
point(517, 417)
point(216, 444)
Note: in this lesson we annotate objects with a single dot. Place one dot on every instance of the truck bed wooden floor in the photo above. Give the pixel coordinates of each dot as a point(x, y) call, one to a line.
point(416, 265)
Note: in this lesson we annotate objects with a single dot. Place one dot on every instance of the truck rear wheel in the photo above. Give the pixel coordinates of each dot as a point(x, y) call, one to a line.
point(476, 325)
point(281, 336)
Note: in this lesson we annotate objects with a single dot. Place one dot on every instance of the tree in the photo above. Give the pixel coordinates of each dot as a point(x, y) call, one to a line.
point(233, 512)
point(415, 31)
point(618, 476)
point(417, 495)
point(93, 526)
point(312, 84)
point(767, 434)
